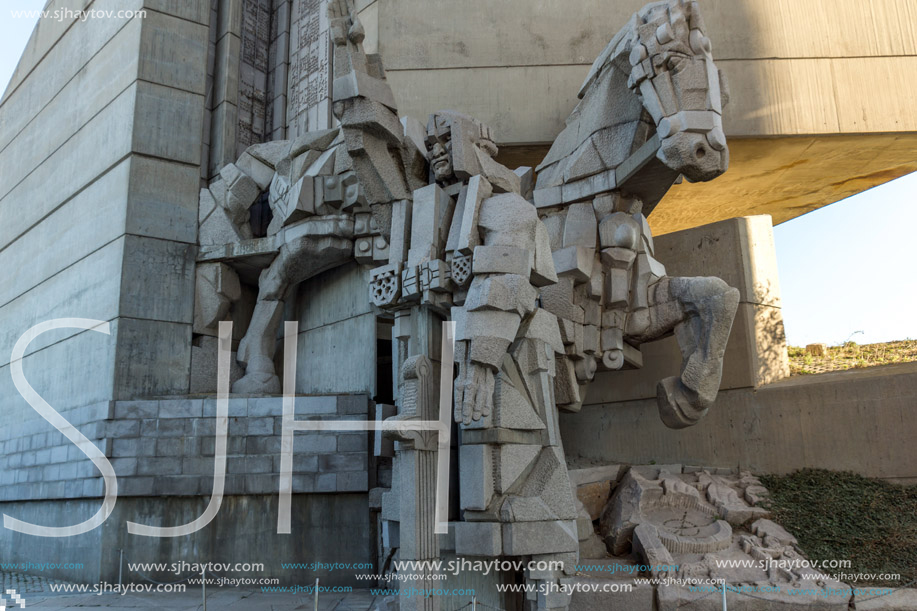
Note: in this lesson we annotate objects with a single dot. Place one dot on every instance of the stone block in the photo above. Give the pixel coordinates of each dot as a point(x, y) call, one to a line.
point(816, 349)
point(575, 262)
point(512, 461)
point(558, 300)
point(136, 409)
point(594, 496)
point(382, 445)
point(301, 464)
point(260, 483)
point(134, 447)
point(238, 407)
point(671, 597)
point(502, 293)
point(122, 428)
point(326, 482)
point(526, 538)
point(135, 486)
point(608, 595)
point(216, 287)
point(580, 227)
point(478, 538)
point(303, 483)
point(352, 442)
point(468, 236)
point(649, 547)
point(200, 466)
point(168, 123)
point(321, 351)
point(173, 52)
point(590, 475)
point(270, 446)
point(262, 407)
point(353, 405)
point(157, 213)
point(249, 464)
point(900, 600)
point(765, 529)
point(353, 481)
point(159, 466)
point(430, 219)
point(158, 280)
point(593, 547)
point(476, 482)
point(256, 169)
point(124, 466)
point(259, 426)
point(501, 259)
point(314, 443)
point(181, 408)
point(391, 534)
point(342, 461)
point(161, 368)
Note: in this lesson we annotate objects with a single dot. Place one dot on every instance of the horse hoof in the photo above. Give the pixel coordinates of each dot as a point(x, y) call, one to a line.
point(678, 406)
point(257, 383)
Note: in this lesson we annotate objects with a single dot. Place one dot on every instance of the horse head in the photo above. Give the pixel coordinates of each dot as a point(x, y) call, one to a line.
point(671, 70)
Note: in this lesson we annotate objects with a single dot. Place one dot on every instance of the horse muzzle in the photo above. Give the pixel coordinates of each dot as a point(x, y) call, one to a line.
point(698, 155)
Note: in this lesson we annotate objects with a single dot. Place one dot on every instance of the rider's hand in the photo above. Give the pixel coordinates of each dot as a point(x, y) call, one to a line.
point(474, 392)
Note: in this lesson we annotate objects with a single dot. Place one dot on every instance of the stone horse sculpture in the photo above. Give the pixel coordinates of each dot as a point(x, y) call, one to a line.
point(650, 111)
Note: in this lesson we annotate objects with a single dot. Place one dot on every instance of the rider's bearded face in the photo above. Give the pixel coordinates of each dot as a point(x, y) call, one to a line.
point(441, 158)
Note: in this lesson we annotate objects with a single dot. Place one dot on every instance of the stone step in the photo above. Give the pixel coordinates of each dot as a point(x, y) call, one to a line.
point(602, 594)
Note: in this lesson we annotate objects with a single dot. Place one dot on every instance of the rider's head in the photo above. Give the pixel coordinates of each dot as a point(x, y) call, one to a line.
point(454, 144)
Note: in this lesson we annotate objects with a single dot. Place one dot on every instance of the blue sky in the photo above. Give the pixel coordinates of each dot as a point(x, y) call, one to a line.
point(849, 268)
point(846, 270)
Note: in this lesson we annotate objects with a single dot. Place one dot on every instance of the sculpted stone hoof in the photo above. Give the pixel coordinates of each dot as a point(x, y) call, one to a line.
point(259, 378)
point(679, 407)
point(257, 383)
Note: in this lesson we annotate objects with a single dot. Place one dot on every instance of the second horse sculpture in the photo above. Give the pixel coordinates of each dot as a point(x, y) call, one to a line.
point(650, 111)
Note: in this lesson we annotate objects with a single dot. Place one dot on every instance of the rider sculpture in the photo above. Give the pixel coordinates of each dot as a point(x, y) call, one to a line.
point(546, 282)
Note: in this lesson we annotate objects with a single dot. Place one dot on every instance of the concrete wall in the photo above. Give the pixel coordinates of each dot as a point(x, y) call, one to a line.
point(336, 351)
point(804, 77)
point(100, 149)
point(324, 528)
point(793, 68)
point(162, 452)
point(858, 420)
point(166, 448)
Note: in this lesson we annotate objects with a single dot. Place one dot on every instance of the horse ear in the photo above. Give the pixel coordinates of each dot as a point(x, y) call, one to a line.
point(724, 88)
point(695, 19)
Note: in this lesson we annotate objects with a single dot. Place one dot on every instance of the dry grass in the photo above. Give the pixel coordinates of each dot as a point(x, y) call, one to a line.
point(843, 516)
point(851, 355)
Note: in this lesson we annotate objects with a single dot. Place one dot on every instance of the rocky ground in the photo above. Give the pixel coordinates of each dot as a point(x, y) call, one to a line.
point(700, 519)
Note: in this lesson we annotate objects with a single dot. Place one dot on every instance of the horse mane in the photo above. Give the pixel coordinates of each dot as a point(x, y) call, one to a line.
point(609, 122)
point(682, 14)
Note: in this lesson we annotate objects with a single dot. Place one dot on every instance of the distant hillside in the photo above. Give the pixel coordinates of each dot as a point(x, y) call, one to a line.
point(851, 355)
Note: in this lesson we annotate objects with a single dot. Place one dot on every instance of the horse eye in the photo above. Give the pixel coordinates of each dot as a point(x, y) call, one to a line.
point(675, 63)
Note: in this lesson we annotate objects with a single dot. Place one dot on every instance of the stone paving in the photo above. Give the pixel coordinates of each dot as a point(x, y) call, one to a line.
point(36, 594)
point(25, 584)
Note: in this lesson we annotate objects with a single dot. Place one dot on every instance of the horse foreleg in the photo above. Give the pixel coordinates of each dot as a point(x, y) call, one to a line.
point(256, 350)
point(297, 261)
point(700, 311)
